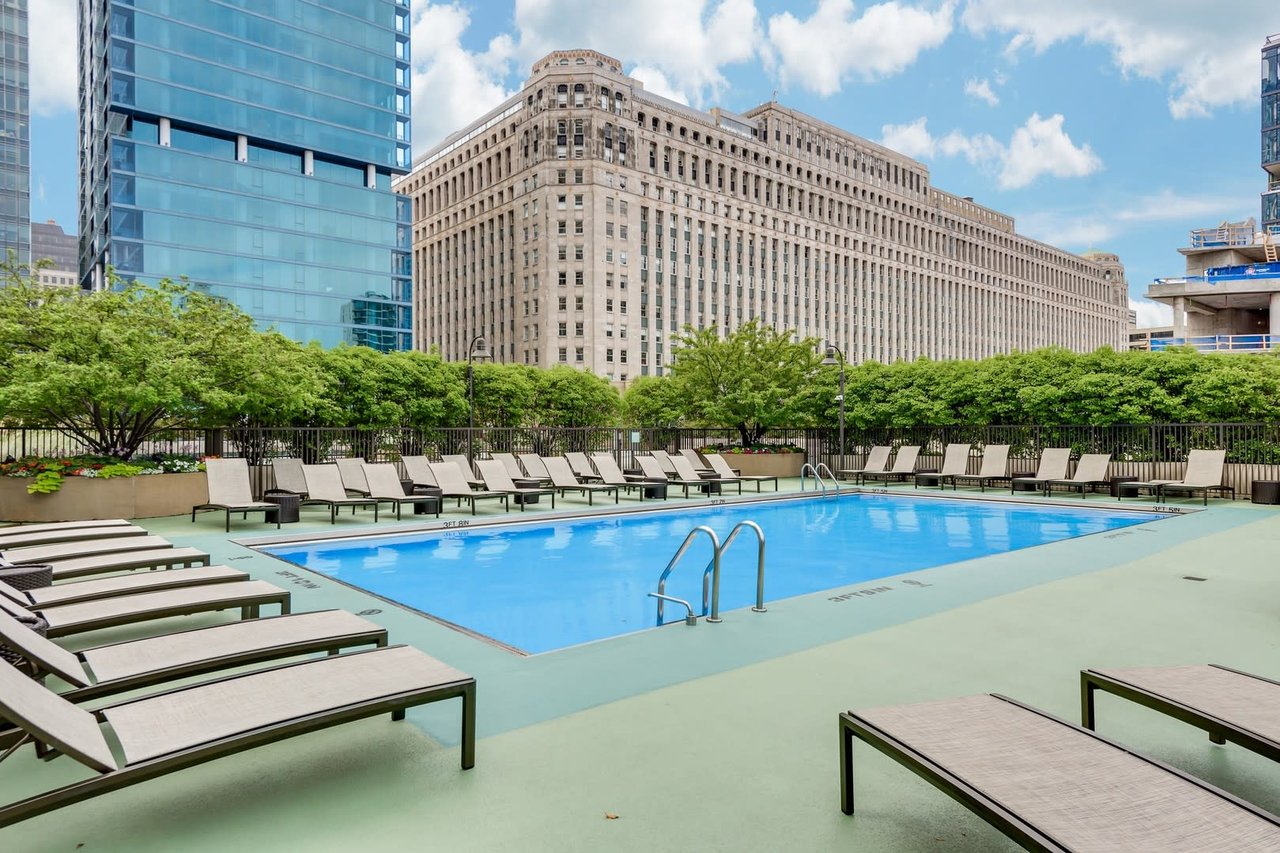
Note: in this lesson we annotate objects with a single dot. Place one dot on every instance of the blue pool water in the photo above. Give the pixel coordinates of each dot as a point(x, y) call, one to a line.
point(552, 584)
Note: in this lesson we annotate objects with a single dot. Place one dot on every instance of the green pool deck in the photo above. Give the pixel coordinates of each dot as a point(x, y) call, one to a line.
point(714, 737)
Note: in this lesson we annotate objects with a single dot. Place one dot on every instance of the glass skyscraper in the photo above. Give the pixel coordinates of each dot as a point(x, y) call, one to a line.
point(15, 131)
point(1271, 132)
point(249, 145)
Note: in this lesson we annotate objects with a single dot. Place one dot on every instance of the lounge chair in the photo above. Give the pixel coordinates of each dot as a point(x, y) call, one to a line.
point(1091, 471)
point(418, 469)
point(153, 558)
point(1050, 785)
point(287, 472)
point(324, 486)
point(351, 469)
point(535, 468)
point(1203, 474)
point(994, 468)
point(509, 461)
point(955, 461)
point(581, 466)
point(1228, 704)
point(229, 490)
point(384, 486)
point(695, 460)
point(664, 461)
point(611, 475)
point(454, 485)
point(191, 725)
point(56, 526)
point(686, 471)
point(652, 470)
point(877, 461)
point(85, 548)
point(83, 616)
point(90, 590)
point(1053, 466)
point(562, 479)
point(904, 466)
point(726, 474)
point(464, 465)
point(496, 480)
point(117, 667)
point(23, 539)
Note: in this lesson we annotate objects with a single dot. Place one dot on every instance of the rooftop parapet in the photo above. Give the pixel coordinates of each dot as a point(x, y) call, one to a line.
point(1225, 235)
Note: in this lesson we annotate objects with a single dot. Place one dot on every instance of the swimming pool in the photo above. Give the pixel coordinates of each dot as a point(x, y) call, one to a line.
point(543, 586)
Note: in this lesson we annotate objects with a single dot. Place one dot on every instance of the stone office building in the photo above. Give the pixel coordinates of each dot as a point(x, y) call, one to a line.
point(586, 221)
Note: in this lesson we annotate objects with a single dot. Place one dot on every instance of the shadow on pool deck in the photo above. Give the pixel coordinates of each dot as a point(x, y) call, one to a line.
point(720, 736)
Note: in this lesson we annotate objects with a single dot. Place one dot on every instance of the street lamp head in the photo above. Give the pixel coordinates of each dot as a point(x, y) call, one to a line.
point(479, 349)
point(831, 359)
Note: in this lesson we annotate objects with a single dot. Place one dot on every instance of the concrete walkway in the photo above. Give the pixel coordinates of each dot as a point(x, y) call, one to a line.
point(717, 737)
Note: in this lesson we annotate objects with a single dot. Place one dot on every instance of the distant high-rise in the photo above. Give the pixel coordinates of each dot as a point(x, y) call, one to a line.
point(15, 131)
point(1271, 132)
point(251, 147)
point(50, 243)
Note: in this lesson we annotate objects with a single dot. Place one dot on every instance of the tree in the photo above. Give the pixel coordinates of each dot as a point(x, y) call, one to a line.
point(566, 397)
point(753, 379)
point(653, 401)
point(116, 367)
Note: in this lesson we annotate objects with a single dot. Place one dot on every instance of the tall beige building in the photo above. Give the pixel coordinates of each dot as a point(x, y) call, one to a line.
point(586, 221)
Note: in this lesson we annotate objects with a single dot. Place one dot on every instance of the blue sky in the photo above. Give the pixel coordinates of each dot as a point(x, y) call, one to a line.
point(1097, 123)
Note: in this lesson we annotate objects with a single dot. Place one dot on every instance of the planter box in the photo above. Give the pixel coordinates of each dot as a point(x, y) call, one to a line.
point(84, 498)
point(766, 464)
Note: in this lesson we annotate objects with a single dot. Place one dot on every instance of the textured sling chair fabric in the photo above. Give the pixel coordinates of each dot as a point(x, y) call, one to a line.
point(351, 470)
point(1228, 704)
point(496, 480)
point(55, 526)
point(1091, 471)
point(611, 475)
point(287, 472)
point(693, 458)
point(1053, 466)
point(686, 471)
point(464, 465)
point(153, 558)
point(324, 486)
point(509, 461)
point(1203, 475)
point(384, 486)
point(904, 466)
point(652, 470)
point(1051, 785)
point(418, 469)
point(110, 587)
point(85, 548)
point(229, 490)
point(118, 667)
point(581, 466)
point(994, 468)
point(534, 468)
point(169, 731)
point(726, 475)
point(877, 461)
point(562, 479)
point(664, 461)
point(454, 485)
point(17, 538)
point(955, 461)
point(65, 619)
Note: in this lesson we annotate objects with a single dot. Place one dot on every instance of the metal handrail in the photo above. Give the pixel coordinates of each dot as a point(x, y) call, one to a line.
point(714, 568)
point(835, 481)
point(817, 478)
point(690, 617)
point(684, 546)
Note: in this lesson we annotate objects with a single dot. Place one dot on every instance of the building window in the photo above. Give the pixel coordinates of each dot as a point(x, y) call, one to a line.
point(578, 302)
point(561, 202)
point(562, 303)
point(560, 176)
point(577, 252)
point(562, 330)
point(564, 353)
point(577, 355)
point(608, 355)
point(577, 176)
point(577, 329)
point(577, 202)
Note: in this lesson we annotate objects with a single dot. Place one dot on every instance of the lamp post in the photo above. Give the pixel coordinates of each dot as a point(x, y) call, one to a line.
point(831, 358)
point(477, 349)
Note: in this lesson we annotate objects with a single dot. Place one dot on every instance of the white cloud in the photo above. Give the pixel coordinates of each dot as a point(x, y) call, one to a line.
point(52, 31)
point(835, 44)
point(981, 89)
point(1037, 148)
point(1206, 53)
point(1074, 231)
point(1078, 229)
point(1151, 313)
point(1042, 147)
point(452, 86)
point(657, 83)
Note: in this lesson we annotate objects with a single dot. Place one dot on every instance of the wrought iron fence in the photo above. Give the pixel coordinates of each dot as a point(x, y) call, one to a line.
point(1149, 451)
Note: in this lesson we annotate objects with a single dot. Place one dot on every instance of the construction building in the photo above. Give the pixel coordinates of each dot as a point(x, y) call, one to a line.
point(586, 221)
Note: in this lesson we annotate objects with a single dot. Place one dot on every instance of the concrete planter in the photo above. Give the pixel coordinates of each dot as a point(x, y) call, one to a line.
point(766, 464)
point(83, 498)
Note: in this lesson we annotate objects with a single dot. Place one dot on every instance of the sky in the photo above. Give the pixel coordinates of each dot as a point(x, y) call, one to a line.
point(1099, 124)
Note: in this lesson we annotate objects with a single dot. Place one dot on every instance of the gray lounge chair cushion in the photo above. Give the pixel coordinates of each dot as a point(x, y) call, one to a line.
point(52, 719)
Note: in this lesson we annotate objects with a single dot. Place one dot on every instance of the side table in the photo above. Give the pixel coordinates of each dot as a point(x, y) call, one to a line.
point(287, 504)
point(434, 493)
point(1117, 483)
point(1023, 487)
point(1265, 492)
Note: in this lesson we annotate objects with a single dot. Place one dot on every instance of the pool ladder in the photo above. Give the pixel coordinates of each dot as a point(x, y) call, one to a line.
point(711, 574)
point(820, 482)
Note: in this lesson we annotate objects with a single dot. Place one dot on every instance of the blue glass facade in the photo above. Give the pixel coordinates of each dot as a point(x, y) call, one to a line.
point(249, 145)
point(1271, 132)
point(15, 132)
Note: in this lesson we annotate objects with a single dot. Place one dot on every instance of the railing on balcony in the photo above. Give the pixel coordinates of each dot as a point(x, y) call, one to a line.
point(1221, 343)
point(1225, 235)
